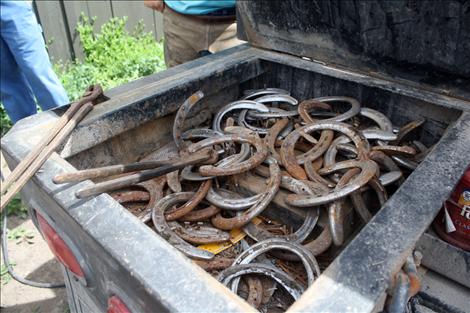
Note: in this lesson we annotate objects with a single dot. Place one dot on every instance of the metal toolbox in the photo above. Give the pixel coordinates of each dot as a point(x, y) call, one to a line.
point(403, 58)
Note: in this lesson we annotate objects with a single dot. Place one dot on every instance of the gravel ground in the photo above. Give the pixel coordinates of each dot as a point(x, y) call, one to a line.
point(34, 261)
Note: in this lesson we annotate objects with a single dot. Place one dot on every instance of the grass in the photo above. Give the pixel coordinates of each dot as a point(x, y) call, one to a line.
point(16, 207)
point(20, 235)
point(5, 277)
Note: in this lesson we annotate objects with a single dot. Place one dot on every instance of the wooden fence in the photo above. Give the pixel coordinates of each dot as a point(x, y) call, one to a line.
point(59, 18)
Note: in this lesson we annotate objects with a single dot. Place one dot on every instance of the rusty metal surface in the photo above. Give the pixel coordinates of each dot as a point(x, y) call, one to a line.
point(307, 105)
point(321, 243)
point(181, 115)
point(253, 161)
point(294, 288)
point(181, 211)
point(132, 179)
point(324, 181)
point(348, 160)
point(173, 181)
point(130, 196)
point(201, 215)
point(162, 227)
point(244, 218)
point(242, 104)
point(337, 210)
point(358, 200)
point(230, 200)
point(259, 234)
point(395, 150)
point(273, 113)
point(308, 260)
point(255, 291)
point(289, 160)
point(199, 234)
point(272, 135)
point(379, 118)
point(407, 129)
point(218, 263)
point(368, 170)
point(27, 168)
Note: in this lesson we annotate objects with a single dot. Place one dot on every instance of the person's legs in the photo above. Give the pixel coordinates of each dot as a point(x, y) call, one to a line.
point(15, 92)
point(183, 38)
point(23, 35)
point(223, 36)
point(186, 37)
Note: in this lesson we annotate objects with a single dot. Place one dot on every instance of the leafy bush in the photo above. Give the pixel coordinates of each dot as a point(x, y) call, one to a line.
point(112, 57)
point(5, 123)
point(5, 277)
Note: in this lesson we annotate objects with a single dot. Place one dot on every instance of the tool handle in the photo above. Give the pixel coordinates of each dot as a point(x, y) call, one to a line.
point(44, 155)
point(132, 179)
point(106, 171)
point(93, 93)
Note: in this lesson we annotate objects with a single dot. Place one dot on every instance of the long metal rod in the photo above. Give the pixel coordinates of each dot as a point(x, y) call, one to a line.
point(107, 171)
point(63, 120)
point(132, 179)
point(44, 155)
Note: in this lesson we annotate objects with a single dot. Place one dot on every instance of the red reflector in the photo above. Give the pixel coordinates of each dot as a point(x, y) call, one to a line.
point(115, 305)
point(59, 248)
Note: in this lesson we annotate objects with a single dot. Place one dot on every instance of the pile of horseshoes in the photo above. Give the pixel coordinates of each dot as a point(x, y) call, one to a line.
point(326, 159)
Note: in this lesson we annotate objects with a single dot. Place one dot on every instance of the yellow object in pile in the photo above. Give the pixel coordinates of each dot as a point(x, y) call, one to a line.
point(235, 236)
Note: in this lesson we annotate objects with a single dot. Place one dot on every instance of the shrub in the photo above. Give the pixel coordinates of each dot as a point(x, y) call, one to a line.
point(112, 57)
point(5, 123)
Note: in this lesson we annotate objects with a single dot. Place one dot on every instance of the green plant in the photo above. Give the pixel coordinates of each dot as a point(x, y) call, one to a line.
point(16, 207)
point(112, 57)
point(5, 123)
point(20, 234)
point(5, 277)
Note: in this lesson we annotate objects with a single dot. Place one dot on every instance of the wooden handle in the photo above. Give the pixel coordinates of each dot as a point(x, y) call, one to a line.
point(132, 179)
point(107, 171)
point(44, 154)
point(93, 93)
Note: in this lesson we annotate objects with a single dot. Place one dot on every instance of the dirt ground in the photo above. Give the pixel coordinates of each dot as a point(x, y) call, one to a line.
point(34, 261)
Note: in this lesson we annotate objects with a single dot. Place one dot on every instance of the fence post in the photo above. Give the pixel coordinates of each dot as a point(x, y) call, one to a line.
point(52, 22)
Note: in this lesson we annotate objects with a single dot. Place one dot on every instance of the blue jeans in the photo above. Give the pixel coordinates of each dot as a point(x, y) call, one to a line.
point(26, 72)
